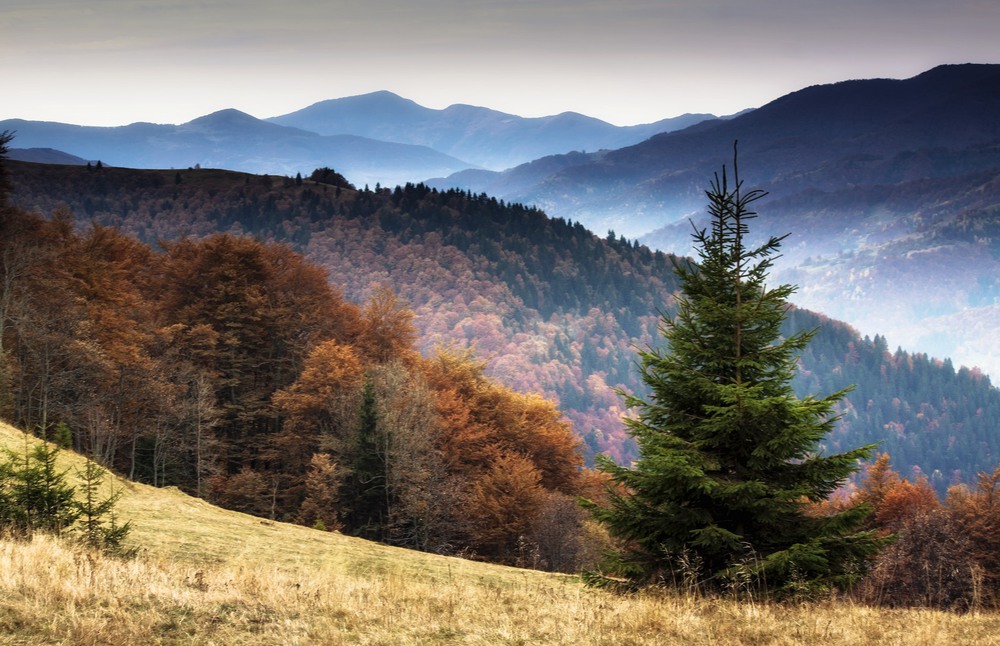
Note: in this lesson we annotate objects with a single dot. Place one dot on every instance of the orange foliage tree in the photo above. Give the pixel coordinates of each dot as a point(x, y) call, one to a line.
point(231, 368)
point(942, 555)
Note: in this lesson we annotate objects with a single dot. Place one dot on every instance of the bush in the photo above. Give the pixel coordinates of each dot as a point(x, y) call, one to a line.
point(930, 564)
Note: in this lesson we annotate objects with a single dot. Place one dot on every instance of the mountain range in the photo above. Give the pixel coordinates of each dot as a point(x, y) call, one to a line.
point(234, 140)
point(889, 189)
point(377, 138)
point(486, 138)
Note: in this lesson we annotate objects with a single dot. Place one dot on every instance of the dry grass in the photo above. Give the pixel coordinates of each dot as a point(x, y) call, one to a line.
point(208, 576)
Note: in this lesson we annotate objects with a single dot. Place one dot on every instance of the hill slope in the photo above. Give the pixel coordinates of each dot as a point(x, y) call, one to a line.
point(46, 156)
point(552, 307)
point(205, 575)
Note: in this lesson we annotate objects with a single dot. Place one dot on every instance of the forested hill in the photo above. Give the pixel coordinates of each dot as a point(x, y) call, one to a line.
point(552, 307)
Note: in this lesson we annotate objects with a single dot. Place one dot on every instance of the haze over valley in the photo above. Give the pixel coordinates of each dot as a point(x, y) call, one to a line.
point(887, 187)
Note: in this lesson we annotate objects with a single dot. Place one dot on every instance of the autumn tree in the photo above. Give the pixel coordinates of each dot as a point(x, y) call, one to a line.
point(977, 512)
point(468, 438)
point(319, 414)
point(42, 317)
point(387, 330)
point(502, 506)
point(730, 457)
point(930, 563)
point(930, 557)
point(269, 308)
point(879, 480)
point(482, 419)
point(904, 502)
point(320, 508)
point(20, 256)
point(122, 402)
point(396, 487)
point(419, 490)
point(514, 463)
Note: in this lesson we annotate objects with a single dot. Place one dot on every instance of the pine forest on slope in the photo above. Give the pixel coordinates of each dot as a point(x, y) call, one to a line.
point(551, 307)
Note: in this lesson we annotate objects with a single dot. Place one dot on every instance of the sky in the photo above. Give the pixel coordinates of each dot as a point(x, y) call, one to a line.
point(113, 62)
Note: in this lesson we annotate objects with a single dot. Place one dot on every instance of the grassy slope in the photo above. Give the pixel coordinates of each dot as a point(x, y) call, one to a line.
point(210, 576)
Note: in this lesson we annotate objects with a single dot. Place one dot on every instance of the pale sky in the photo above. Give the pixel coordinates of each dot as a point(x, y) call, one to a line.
point(113, 62)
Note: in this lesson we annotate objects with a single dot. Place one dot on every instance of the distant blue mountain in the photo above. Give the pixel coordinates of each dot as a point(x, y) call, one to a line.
point(237, 141)
point(45, 156)
point(487, 138)
point(943, 123)
point(372, 138)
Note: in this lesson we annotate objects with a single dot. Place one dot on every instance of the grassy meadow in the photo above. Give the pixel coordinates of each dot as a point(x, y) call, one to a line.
point(210, 576)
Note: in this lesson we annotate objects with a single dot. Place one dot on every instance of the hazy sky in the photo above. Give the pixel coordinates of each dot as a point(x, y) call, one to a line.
point(111, 62)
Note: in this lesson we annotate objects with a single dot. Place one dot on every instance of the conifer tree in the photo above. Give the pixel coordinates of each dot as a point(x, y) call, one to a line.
point(99, 526)
point(366, 487)
point(730, 457)
point(35, 495)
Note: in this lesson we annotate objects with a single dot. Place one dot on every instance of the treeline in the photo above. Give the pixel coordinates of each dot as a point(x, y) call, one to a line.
point(232, 369)
point(553, 308)
point(936, 422)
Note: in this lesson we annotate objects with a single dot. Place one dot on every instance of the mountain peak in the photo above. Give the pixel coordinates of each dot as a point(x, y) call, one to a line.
point(228, 117)
point(381, 103)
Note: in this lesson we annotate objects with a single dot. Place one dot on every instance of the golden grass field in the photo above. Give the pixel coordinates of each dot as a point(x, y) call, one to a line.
point(210, 576)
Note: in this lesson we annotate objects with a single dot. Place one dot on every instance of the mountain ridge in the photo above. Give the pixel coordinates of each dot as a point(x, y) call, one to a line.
point(484, 136)
point(382, 138)
point(235, 140)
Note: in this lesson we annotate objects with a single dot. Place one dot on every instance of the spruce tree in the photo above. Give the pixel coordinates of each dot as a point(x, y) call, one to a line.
point(730, 458)
point(35, 495)
point(366, 485)
point(99, 526)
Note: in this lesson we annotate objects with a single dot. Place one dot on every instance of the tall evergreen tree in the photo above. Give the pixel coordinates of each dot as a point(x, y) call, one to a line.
point(366, 486)
point(730, 457)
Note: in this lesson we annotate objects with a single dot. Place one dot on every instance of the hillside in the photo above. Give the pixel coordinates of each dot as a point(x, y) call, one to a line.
point(45, 156)
point(206, 575)
point(553, 308)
